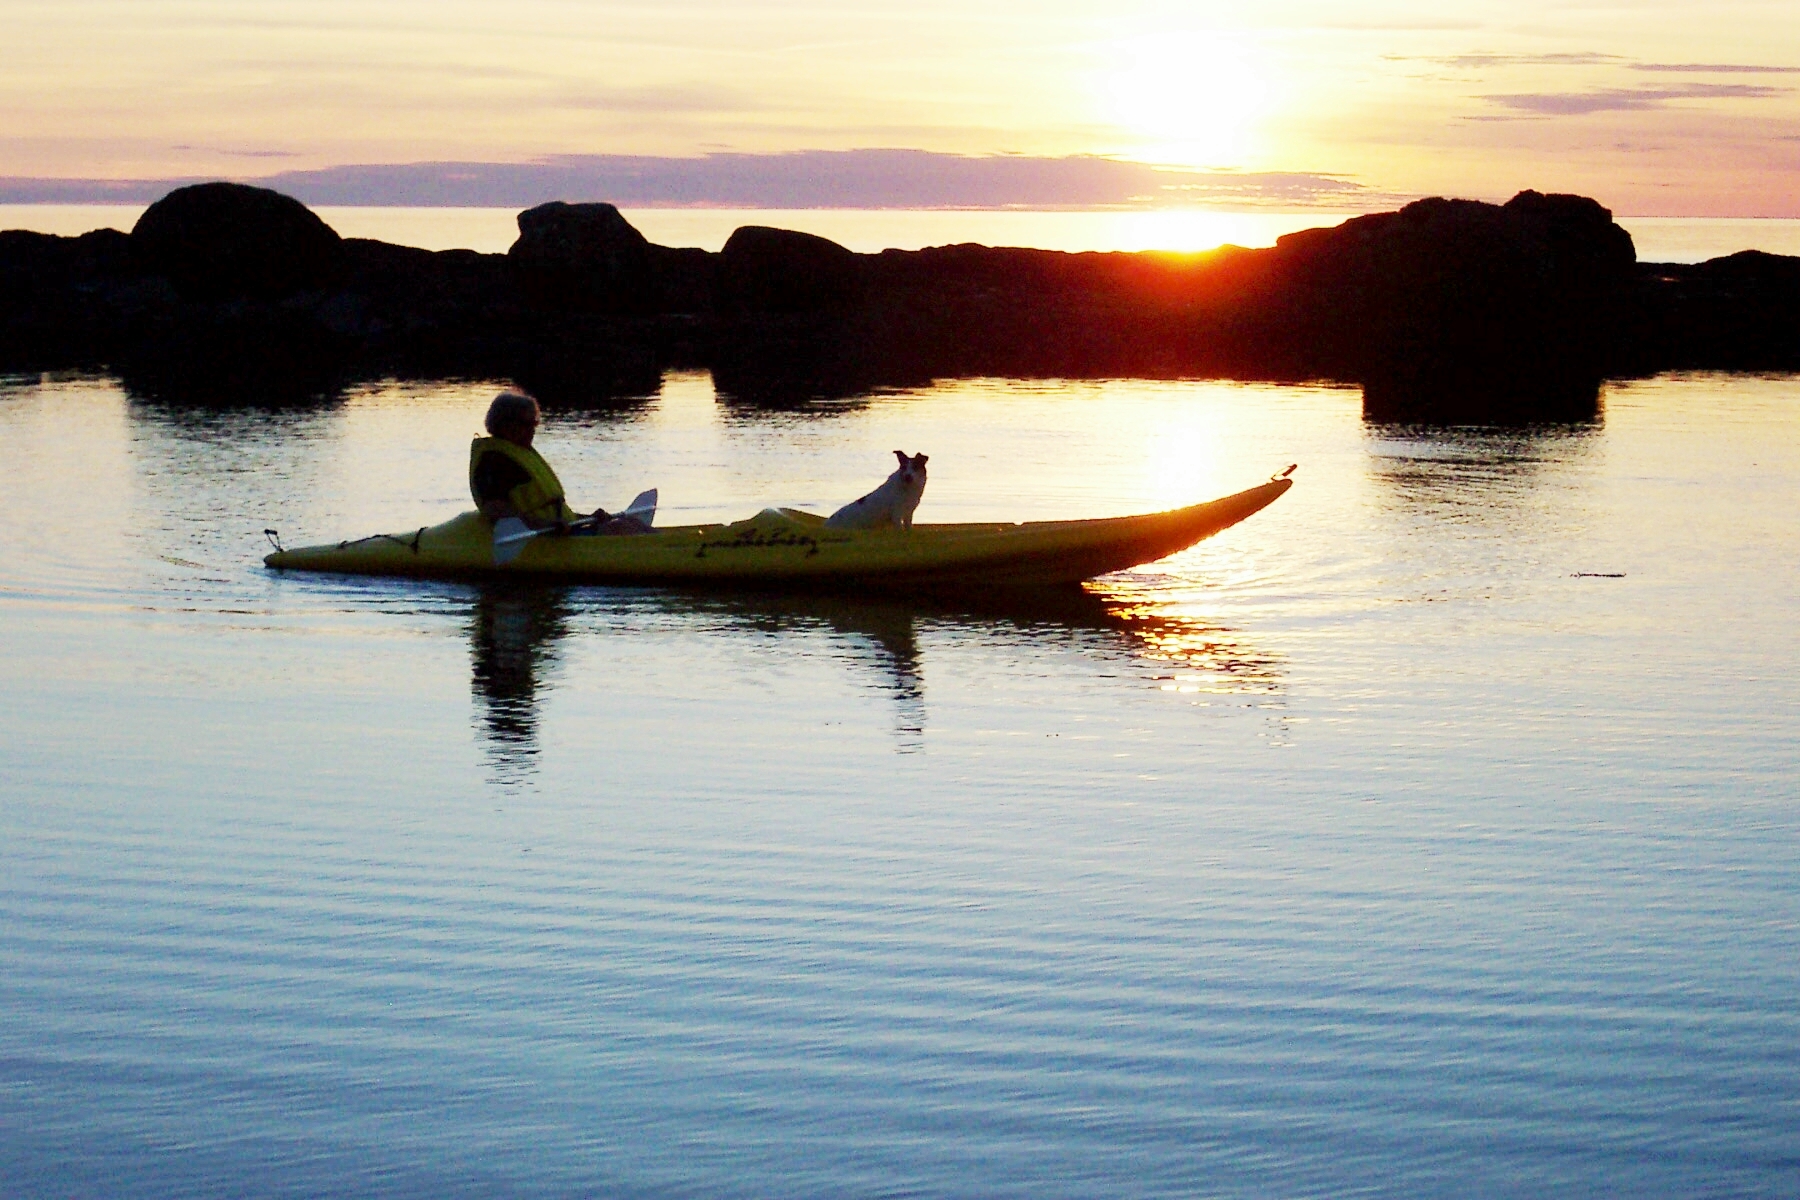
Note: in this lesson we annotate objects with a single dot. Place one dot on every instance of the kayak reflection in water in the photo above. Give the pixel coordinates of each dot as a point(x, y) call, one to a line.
point(510, 479)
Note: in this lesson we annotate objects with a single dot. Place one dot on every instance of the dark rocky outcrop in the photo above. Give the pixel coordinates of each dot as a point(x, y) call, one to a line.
point(1738, 313)
point(217, 241)
point(61, 298)
point(763, 270)
point(582, 258)
point(1452, 304)
point(683, 279)
point(1446, 310)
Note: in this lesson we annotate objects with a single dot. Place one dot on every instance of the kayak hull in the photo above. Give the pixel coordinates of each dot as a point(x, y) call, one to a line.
point(790, 549)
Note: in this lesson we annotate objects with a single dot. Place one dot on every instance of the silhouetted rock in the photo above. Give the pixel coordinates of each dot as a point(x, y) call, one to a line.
point(217, 241)
point(1737, 313)
point(763, 270)
point(1454, 309)
point(683, 279)
point(61, 298)
point(582, 257)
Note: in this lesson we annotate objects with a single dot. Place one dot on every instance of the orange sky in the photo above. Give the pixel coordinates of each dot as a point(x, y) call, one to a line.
point(1651, 106)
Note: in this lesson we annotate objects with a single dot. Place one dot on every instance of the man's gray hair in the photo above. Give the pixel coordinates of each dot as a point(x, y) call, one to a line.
point(510, 409)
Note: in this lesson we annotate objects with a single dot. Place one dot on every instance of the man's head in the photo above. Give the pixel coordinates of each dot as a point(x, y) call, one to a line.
point(513, 416)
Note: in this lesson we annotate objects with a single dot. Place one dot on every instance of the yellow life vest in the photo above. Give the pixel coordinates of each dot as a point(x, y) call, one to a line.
point(540, 499)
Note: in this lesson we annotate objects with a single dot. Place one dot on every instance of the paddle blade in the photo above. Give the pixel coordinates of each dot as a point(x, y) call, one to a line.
point(643, 507)
point(510, 536)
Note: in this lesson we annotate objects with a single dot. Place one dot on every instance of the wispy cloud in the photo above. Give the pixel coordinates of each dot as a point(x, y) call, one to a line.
point(1716, 68)
point(1565, 104)
point(1482, 61)
point(27, 190)
point(225, 153)
point(1589, 58)
point(1262, 188)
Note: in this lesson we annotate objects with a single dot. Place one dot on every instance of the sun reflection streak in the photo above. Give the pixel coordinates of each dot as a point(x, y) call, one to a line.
point(1192, 653)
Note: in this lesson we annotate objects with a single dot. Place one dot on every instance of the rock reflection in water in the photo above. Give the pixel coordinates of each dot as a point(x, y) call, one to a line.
point(1574, 401)
point(513, 635)
point(1474, 471)
point(206, 376)
point(1511, 496)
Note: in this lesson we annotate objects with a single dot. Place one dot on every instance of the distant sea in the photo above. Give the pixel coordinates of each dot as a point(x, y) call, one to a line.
point(492, 230)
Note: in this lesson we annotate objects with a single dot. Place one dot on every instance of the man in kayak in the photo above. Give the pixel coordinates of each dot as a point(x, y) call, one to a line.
point(510, 479)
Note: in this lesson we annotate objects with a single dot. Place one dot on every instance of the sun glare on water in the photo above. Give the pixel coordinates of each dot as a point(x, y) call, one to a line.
point(1185, 99)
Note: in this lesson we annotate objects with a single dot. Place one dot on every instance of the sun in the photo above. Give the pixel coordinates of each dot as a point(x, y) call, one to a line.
point(1186, 99)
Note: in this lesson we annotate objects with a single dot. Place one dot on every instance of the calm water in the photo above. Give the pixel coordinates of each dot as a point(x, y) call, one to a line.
point(492, 230)
point(1434, 833)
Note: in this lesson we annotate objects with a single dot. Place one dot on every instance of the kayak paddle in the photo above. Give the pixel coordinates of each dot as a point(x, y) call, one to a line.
point(511, 534)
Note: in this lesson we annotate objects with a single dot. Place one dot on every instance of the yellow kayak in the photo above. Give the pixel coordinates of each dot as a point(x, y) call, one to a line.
point(789, 548)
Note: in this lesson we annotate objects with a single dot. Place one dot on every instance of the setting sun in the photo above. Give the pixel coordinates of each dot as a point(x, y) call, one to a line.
point(1190, 99)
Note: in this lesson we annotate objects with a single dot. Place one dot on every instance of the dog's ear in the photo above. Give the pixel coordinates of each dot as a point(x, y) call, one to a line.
point(901, 455)
point(919, 461)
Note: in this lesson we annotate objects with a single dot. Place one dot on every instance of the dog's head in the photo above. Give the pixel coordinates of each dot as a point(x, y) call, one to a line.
point(910, 468)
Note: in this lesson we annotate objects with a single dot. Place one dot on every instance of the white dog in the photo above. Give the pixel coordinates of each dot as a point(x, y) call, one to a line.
point(891, 504)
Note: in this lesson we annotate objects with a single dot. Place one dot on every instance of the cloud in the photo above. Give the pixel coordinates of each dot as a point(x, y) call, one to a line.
point(22, 190)
point(1477, 61)
point(235, 153)
point(1716, 68)
point(1565, 104)
point(873, 178)
point(1269, 187)
point(1589, 58)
